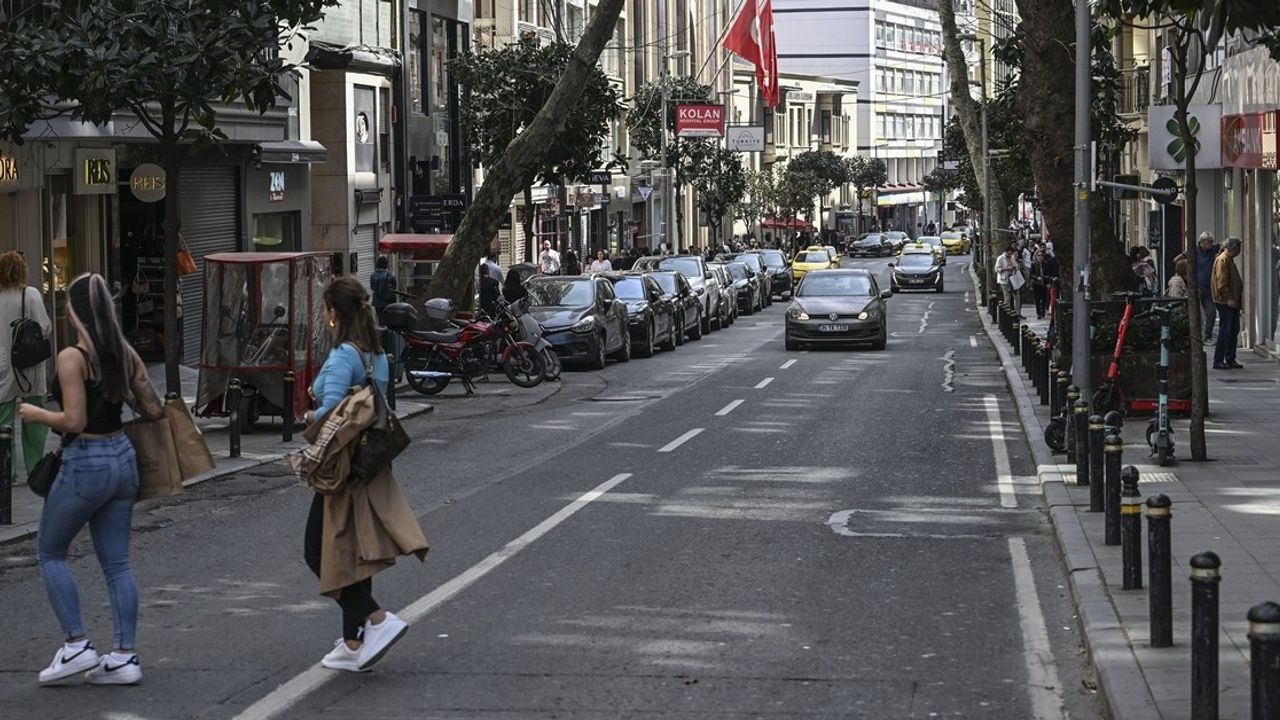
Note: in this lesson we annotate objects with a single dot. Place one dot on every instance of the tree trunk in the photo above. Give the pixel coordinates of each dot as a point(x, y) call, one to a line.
point(1046, 101)
point(521, 160)
point(171, 150)
point(530, 221)
point(969, 113)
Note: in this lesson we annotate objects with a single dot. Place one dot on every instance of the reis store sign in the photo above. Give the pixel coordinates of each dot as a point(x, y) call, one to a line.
point(700, 121)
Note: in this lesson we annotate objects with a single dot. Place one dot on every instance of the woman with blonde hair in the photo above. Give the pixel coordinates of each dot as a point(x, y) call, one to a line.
point(18, 300)
point(96, 484)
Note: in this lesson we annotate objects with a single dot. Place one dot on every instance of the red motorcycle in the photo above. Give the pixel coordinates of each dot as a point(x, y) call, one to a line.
point(431, 360)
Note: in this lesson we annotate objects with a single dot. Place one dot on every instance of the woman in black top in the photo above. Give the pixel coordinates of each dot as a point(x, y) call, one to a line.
point(96, 484)
point(513, 287)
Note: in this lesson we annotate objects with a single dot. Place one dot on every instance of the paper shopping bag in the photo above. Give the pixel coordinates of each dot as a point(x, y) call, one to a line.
point(158, 472)
point(194, 457)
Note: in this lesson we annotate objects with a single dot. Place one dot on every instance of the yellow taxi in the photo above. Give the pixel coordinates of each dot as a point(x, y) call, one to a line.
point(814, 258)
point(955, 242)
point(835, 255)
point(922, 246)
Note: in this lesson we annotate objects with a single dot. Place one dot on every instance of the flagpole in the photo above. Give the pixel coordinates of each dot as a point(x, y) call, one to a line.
point(718, 44)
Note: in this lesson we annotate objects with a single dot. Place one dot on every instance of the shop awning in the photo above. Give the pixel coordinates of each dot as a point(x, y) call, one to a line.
point(424, 246)
point(787, 224)
point(292, 152)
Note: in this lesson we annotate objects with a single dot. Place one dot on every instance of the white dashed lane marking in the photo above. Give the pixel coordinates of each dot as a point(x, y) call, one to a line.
point(680, 440)
point(728, 408)
point(786, 364)
point(763, 383)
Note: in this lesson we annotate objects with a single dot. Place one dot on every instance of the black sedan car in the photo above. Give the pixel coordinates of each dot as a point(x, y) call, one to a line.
point(749, 292)
point(916, 271)
point(780, 277)
point(728, 293)
point(761, 274)
point(651, 314)
point(582, 317)
point(871, 245)
point(687, 303)
point(837, 307)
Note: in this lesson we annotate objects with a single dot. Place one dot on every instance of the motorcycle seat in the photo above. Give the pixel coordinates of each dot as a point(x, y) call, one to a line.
point(437, 337)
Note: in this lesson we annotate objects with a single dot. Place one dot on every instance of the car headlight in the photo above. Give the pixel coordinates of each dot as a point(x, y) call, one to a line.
point(585, 325)
point(797, 314)
point(864, 315)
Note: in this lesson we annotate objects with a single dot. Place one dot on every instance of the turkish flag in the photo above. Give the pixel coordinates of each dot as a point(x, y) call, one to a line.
point(751, 38)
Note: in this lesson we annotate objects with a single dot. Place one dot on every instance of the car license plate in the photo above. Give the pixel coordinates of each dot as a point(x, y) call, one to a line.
point(833, 328)
point(916, 281)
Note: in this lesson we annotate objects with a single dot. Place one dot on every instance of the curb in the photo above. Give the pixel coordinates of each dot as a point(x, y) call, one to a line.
point(227, 467)
point(1119, 676)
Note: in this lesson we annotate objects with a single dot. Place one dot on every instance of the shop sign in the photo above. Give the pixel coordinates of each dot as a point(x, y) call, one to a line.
point(746, 138)
point(1167, 150)
point(706, 121)
point(275, 186)
point(437, 213)
point(147, 183)
point(600, 177)
point(8, 170)
point(95, 171)
point(644, 191)
point(1249, 140)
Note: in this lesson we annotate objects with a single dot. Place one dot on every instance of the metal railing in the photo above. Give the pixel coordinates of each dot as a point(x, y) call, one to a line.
point(1135, 90)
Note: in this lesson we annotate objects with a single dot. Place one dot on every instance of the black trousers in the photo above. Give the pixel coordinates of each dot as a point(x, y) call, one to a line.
point(1040, 292)
point(356, 600)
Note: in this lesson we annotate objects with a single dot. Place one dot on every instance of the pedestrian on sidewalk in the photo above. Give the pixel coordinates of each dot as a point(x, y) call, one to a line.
point(354, 530)
point(97, 483)
point(1178, 281)
point(1228, 292)
point(1144, 273)
point(1044, 273)
point(1206, 254)
point(29, 385)
point(572, 266)
point(548, 260)
point(383, 284)
point(601, 263)
point(1009, 278)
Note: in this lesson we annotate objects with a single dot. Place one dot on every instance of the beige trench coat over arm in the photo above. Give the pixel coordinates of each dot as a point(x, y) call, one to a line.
point(367, 525)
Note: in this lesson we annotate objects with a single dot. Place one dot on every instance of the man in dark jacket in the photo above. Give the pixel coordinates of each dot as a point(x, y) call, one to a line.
point(1206, 253)
point(382, 283)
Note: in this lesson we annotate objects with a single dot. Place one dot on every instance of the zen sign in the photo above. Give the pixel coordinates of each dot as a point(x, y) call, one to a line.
point(700, 121)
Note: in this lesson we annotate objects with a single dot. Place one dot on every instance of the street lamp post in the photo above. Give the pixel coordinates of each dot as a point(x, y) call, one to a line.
point(668, 194)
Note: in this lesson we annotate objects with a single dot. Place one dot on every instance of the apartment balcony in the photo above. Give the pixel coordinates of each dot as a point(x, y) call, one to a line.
point(1135, 91)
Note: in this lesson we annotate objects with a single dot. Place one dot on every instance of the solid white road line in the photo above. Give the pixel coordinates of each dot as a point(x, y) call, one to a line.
point(314, 677)
point(1004, 478)
point(787, 364)
point(728, 408)
point(1042, 672)
point(973, 341)
point(681, 440)
point(760, 385)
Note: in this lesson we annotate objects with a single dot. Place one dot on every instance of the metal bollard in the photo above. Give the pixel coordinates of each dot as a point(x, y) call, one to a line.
point(1060, 393)
point(1160, 570)
point(233, 410)
point(1080, 418)
point(1205, 578)
point(1130, 530)
point(1114, 419)
point(1048, 378)
point(1019, 335)
point(6, 462)
point(286, 407)
point(1013, 330)
point(1264, 660)
point(1024, 346)
point(1113, 454)
point(1073, 394)
point(1097, 486)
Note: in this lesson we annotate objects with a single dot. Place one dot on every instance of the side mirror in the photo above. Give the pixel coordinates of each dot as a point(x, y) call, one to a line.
point(885, 295)
point(892, 264)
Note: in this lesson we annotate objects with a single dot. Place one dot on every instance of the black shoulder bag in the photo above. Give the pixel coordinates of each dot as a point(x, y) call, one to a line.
point(30, 345)
point(381, 442)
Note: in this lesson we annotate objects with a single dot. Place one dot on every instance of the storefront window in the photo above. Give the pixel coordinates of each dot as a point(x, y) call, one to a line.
point(277, 232)
point(74, 228)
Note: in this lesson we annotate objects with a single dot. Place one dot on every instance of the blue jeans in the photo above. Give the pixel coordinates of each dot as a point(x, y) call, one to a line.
point(96, 486)
point(1228, 334)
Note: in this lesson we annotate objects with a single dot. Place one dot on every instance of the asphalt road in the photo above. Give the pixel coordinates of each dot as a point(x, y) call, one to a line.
point(728, 530)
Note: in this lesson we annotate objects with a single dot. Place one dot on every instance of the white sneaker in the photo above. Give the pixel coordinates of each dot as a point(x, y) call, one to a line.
point(69, 661)
point(342, 657)
point(379, 638)
point(116, 669)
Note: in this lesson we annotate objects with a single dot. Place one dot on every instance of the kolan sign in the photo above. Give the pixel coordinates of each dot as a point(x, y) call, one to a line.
point(700, 121)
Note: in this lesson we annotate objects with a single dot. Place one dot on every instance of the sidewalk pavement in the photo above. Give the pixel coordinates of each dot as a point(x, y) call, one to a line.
point(1230, 505)
point(263, 446)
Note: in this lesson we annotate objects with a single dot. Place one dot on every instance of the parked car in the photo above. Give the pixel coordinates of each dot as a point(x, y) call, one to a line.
point(955, 242)
point(916, 271)
point(871, 245)
point(835, 255)
point(748, 291)
point(583, 318)
point(651, 314)
point(760, 274)
point(728, 293)
point(687, 303)
point(837, 307)
point(704, 283)
point(781, 277)
point(898, 238)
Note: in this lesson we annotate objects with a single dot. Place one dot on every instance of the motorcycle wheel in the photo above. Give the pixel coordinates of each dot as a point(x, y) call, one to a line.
point(1055, 435)
point(524, 368)
point(424, 386)
point(552, 362)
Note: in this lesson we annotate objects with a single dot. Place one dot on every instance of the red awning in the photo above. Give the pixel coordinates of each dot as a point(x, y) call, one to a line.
point(787, 224)
point(424, 247)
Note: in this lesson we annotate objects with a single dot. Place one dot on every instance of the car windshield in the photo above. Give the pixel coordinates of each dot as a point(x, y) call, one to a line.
point(750, 261)
point(813, 257)
point(689, 267)
point(838, 285)
point(916, 261)
point(563, 293)
point(874, 237)
point(666, 281)
point(773, 259)
point(930, 240)
point(738, 271)
point(950, 235)
point(896, 235)
point(629, 288)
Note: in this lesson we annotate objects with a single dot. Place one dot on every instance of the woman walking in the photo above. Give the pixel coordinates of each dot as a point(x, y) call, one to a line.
point(97, 483)
point(601, 263)
point(338, 546)
point(29, 385)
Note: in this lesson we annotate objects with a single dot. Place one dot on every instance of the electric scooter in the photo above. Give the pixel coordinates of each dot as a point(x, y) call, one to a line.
point(1159, 433)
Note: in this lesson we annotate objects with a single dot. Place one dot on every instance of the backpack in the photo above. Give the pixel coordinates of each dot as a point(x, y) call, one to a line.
point(30, 345)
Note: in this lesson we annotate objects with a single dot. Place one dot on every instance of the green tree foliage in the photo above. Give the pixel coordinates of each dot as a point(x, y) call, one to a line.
point(815, 173)
point(169, 63)
point(865, 175)
point(721, 183)
point(761, 198)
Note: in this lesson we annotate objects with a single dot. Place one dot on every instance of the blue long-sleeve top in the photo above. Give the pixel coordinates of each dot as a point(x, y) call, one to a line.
point(343, 370)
